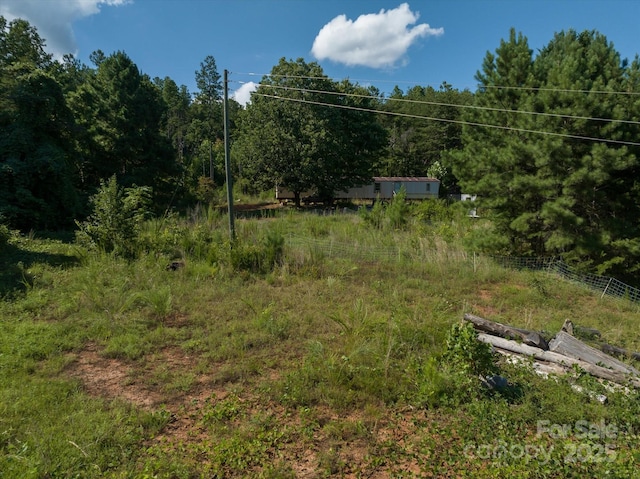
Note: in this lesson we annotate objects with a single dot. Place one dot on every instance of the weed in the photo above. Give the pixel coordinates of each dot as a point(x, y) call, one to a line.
point(278, 327)
point(432, 386)
point(356, 322)
point(222, 411)
point(160, 300)
point(258, 258)
point(331, 462)
point(128, 345)
point(455, 379)
point(154, 421)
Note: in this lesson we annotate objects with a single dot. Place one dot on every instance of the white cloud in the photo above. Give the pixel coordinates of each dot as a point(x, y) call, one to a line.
point(377, 40)
point(243, 94)
point(53, 19)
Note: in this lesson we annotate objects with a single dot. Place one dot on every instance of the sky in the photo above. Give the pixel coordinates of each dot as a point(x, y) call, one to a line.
point(384, 43)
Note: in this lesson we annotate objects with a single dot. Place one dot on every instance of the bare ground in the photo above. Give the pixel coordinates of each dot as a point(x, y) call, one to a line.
point(116, 379)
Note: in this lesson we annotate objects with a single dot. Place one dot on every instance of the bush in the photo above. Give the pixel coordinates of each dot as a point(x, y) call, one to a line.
point(115, 221)
point(485, 238)
point(433, 211)
point(433, 386)
point(466, 354)
point(455, 379)
point(395, 215)
point(206, 190)
point(398, 211)
point(375, 217)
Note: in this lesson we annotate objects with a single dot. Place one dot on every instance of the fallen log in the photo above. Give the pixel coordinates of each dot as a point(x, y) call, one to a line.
point(568, 345)
point(556, 358)
point(530, 338)
point(616, 351)
point(586, 333)
point(545, 369)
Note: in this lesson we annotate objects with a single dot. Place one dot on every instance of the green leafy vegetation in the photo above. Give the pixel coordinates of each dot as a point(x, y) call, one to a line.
point(307, 359)
point(548, 142)
point(566, 190)
point(5, 234)
point(309, 147)
point(148, 344)
point(393, 216)
point(117, 214)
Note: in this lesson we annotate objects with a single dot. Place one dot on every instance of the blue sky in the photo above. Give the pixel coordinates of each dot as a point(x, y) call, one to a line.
point(373, 42)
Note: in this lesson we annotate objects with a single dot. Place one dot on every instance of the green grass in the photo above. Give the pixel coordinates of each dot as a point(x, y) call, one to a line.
point(323, 360)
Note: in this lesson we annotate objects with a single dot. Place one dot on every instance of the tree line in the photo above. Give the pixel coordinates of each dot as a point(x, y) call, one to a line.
point(66, 127)
point(549, 142)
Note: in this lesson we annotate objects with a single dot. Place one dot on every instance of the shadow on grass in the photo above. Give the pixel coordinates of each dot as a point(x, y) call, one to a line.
point(15, 263)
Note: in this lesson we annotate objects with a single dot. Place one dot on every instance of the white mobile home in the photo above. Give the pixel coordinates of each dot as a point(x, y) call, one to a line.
point(382, 187)
point(386, 187)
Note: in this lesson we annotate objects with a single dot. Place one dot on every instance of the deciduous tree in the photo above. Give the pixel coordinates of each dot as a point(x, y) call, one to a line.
point(304, 131)
point(423, 127)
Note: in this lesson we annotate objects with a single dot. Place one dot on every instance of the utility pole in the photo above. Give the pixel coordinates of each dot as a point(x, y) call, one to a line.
point(227, 159)
point(210, 160)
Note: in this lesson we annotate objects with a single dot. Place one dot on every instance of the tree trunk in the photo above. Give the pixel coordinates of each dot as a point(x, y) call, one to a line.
point(527, 337)
point(566, 361)
point(567, 345)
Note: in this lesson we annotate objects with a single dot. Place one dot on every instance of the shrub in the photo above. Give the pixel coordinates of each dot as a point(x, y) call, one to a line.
point(117, 215)
point(466, 354)
point(485, 238)
point(206, 190)
point(395, 215)
point(433, 386)
point(375, 217)
point(431, 211)
point(454, 380)
point(398, 211)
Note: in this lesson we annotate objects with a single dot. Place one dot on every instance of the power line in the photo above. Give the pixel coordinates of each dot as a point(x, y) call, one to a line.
point(453, 105)
point(445, 120)
point(417, 83)
point(363, 80)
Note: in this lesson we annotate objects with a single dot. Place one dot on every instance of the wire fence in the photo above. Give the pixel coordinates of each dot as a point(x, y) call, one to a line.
point(420, 251)
point(372, 251)
point(604, 285)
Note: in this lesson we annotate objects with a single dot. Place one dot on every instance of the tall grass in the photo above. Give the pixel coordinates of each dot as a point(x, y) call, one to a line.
point(302, 336)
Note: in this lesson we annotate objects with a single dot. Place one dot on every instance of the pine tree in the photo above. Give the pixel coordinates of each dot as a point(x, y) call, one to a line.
point(558, 179)
point(498, 162)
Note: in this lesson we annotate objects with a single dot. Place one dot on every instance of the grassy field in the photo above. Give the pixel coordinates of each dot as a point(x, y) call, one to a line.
point(319, 346)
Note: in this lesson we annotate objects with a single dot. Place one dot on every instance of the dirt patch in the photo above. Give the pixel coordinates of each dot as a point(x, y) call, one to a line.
point(110, 378)
point(485, 308)
point(113, 378)
point(334, 444)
